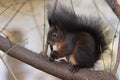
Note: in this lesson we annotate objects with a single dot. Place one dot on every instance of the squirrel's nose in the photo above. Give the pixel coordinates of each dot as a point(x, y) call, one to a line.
point(49, 42)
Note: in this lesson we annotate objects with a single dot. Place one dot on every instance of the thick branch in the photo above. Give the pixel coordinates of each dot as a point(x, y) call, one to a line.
point(60, 70)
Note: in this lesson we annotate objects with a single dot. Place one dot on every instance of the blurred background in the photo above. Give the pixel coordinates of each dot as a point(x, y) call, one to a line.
point(25, 22)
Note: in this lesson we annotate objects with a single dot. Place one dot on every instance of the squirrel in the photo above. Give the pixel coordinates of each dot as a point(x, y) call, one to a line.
point(80, 39)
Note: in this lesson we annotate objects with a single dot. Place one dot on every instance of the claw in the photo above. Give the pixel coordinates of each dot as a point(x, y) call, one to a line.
point(74, 69)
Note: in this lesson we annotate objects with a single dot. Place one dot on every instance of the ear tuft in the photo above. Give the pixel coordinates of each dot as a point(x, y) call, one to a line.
point(57, 27)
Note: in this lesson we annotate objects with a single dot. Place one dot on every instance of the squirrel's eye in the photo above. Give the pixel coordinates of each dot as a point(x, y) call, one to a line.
point(54, 35)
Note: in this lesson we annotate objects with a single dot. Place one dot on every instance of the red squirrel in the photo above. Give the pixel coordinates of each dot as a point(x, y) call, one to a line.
point(80, 39)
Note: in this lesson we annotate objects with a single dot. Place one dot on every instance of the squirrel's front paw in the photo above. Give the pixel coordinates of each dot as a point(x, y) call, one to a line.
point(54, 55)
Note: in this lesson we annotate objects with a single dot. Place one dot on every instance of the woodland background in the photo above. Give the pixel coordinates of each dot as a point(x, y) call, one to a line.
point(25, 22)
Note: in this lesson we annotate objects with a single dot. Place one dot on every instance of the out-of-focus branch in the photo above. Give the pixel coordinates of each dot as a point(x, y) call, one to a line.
point(114, 6)
point(17, 11)
point(60, 70)
point(118, 60)
point(116, 9)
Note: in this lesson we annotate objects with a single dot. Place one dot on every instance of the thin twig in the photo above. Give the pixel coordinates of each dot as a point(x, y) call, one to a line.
point(112, 54)
point(103, 58)
point(8, 68)
point(116, 9)
point(114, 6)
point(112, 59)
point(6, 9)
point(114, 71)
point(34, 17)
point(111, 51)
point(15, 1)
point(14, 15)
point(44, 24)
point(99, 12)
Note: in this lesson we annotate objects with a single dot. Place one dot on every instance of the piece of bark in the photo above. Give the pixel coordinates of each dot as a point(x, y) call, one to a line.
point(60, 70)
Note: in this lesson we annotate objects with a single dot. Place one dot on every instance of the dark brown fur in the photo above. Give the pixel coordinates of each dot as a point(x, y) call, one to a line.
point(79, 38)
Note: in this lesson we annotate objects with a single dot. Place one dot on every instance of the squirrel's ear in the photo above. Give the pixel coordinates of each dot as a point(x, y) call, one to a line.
point(57, 27)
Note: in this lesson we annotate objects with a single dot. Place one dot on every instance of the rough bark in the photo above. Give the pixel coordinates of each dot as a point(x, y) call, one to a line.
point(60, 70)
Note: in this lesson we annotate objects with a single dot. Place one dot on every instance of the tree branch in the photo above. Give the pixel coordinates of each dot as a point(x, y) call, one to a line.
point(116, 9)
point(118, 60)
point(114, 6)
point(60, 70)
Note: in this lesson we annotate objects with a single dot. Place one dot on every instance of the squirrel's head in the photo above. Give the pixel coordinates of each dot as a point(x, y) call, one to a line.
point(55, 35)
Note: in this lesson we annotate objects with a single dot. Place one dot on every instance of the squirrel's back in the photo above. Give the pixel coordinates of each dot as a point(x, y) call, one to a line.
point(73, 23)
